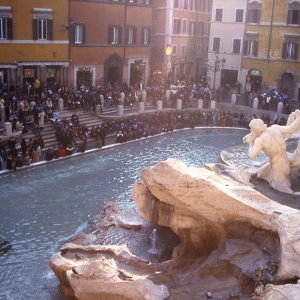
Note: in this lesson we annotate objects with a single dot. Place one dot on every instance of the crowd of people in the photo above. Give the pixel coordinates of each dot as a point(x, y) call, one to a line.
point(30, 108)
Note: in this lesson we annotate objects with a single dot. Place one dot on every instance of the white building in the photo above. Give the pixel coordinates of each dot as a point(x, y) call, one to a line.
point(225, 42)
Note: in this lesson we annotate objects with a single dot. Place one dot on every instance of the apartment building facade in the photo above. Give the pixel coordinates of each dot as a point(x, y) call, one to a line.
point(110, 41)
point(226, 42)
point(271, 42)
point(183, 26)
point(33, 42)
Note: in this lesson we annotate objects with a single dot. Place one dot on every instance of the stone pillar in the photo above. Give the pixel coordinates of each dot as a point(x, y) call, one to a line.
point(120, 110)
point(233, 99)
point(280, 108)
point(141, 107)
point(212, 104)
point(200, 103)
point(179, 104)
point(255, 103)
point(159, 105)
point(98, 110)
point(60, 104)
point(7, 128)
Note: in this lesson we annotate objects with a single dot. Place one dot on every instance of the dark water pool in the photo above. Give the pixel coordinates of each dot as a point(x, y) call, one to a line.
point(42, 207)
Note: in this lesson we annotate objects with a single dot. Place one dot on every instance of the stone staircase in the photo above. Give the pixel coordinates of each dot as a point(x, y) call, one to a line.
point(48, 133)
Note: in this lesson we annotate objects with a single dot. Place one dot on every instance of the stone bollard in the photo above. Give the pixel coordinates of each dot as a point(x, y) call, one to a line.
point(233, 99)
point(98, 110)
point(200, 103)
point(179, 104)
point(168, 95)
point(255, 103)
point(41, 119)
point(7, 128)
point(280, 108)
point(144, 96)
point(141, 107)
point(60, 104)
point(159, 105)
point(120, 110)
point(2, 114)
point(212, 104)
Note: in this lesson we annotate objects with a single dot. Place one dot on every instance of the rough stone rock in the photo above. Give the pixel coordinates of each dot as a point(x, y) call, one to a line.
point(130, 221)
point(280, 292)
point(104, 272)
point(199, 206)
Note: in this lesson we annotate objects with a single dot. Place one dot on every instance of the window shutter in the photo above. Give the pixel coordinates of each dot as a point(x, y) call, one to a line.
point(50, 30)
point(127, 35)
point(109, 34)
point(9, 29)
point(245, 47)
point(72, 33)
point(258, 16)
point(283, 53)
point(134, 35)
point(83, 34)
point(149, 36)
point(296, 52)
point(255, 48)
point(120, 35)
point(34, 29)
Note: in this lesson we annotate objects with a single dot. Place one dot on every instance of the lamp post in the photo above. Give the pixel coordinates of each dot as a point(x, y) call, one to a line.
point(168, 52)
point(217, 66)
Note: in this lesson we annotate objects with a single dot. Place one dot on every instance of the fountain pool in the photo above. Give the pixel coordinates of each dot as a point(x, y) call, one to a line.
point(42, 207)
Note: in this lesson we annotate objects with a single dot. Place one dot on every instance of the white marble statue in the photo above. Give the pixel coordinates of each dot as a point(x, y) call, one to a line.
point(271, 140)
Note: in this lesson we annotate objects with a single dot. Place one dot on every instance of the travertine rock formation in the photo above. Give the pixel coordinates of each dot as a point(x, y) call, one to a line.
point(234, 241)
point(104, 272)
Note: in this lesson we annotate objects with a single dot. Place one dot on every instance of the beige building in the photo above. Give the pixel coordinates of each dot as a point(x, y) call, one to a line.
point(182, 25)
point(225, 43)
point(271, 42)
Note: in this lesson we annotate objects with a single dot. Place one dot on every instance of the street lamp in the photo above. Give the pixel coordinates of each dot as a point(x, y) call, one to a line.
point(168, 52)
point(217, 66)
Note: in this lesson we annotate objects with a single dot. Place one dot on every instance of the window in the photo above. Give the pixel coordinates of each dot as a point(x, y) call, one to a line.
point(146, 36)
point(290, 50)
point(114, 35)
point(293, 17)
point(202, 5)
point(216, 44)
point(78, 33)
point(174, 50)
point(201, 29)
point(253, 13)
point(250, 46)
point(176, 3)
point(130, 35)
point(176, 26)
point(5, 28)
point(183, 49)
point(42, 29)
point(184, 26)
point(219, 13)
point(147, 2)
point(185, 4)
point(192, 27)
point(239, 14)
point(236, 46)
point(6, 32)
